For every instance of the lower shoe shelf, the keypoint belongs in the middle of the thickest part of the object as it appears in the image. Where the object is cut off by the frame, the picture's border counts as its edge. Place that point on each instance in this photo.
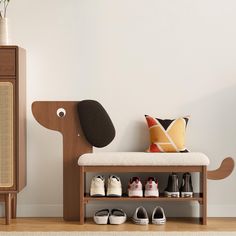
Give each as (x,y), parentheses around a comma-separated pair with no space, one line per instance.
(200,197)
(196,197)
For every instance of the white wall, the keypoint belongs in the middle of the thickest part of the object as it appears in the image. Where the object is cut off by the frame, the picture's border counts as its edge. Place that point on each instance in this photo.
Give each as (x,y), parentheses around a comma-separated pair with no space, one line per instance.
(163,58)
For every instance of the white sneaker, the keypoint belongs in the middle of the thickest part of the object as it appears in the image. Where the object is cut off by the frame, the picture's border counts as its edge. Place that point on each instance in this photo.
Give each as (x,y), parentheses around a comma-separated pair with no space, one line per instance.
(117,217)
(135,188)
(140,216)
(101,217)
(114,188)
(158,216)
(97,187)
(151,188)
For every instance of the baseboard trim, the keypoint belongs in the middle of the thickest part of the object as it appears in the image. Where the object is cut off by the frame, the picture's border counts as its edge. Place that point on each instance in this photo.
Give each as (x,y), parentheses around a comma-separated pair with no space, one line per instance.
(38,210)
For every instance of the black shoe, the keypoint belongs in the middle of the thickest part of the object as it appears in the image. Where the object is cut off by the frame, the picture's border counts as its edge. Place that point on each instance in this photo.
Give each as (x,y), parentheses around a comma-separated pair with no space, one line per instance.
(186,188)
(172,189)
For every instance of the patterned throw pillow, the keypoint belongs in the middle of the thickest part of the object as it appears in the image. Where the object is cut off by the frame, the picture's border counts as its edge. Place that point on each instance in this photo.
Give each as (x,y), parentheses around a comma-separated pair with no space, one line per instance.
(167,135)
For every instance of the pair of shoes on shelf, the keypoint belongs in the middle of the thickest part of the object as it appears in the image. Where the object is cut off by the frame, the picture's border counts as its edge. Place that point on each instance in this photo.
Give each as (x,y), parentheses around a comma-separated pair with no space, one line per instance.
(135,188)
(97,187)
(115,217)
(140,216)
(173,190)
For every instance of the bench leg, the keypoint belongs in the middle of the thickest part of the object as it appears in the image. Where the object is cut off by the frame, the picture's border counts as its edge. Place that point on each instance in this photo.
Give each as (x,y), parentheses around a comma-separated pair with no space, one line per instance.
(203,188)
(82,186)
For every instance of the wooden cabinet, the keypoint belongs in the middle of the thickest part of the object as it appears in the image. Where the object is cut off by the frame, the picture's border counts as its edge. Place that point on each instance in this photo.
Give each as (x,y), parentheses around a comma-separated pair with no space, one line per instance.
(12,126)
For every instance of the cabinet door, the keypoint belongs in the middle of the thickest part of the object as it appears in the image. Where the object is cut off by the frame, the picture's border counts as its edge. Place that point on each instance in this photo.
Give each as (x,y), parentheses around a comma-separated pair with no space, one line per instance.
(7,141)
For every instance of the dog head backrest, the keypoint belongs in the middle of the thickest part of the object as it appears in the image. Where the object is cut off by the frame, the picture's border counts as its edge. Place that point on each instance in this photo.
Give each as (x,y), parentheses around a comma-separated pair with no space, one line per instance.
(85,118)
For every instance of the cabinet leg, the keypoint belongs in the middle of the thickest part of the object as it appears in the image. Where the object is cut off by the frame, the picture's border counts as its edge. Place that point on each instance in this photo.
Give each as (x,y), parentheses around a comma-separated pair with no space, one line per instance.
(14,206)
(8,207)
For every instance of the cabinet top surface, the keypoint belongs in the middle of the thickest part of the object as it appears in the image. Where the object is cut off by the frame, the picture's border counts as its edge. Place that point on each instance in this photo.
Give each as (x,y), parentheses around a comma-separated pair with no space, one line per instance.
(9,46)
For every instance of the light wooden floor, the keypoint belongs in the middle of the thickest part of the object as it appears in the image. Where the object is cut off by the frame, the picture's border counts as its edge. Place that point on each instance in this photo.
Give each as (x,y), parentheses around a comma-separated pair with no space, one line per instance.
(58,224)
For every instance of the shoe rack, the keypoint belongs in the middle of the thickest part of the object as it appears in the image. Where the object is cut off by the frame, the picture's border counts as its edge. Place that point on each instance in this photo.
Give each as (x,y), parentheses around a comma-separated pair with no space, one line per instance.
(200,197)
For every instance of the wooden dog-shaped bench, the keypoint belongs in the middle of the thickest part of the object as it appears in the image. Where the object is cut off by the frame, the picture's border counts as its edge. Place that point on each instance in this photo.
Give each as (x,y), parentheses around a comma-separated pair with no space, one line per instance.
(63,116)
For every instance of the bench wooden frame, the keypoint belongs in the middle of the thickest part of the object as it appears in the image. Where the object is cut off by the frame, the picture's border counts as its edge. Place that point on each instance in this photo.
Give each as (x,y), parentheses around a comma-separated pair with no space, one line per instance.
(200,197)
(75,145)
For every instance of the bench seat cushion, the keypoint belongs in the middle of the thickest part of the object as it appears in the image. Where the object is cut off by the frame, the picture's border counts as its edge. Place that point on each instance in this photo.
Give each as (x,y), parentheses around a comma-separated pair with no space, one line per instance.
(143,159)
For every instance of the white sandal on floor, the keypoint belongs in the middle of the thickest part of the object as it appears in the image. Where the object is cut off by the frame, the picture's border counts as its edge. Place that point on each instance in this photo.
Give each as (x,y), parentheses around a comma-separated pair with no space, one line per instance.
(101,217)
(117,217)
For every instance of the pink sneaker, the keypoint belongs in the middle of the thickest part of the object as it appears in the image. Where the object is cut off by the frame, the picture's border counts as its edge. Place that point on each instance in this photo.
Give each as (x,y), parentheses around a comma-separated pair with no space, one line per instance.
(151,188)
(135,188)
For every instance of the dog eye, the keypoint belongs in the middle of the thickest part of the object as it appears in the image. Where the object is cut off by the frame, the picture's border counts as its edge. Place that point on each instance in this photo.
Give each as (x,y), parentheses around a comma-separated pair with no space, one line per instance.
(61,112)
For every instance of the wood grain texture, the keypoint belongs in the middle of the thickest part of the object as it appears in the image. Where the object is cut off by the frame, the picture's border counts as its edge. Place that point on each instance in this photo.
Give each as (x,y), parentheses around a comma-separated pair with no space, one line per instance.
(21,117)
(8,208)
(14,206)
(13,70)
(8,61)
(50,115)
(173,224)
(146,169)
(225,169)
(82,194)
(201,197)
(203,187)
(161,198)
(74,145)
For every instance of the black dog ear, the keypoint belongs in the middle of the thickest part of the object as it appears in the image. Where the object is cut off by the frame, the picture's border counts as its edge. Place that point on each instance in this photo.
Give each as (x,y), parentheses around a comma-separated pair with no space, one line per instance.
(95,123)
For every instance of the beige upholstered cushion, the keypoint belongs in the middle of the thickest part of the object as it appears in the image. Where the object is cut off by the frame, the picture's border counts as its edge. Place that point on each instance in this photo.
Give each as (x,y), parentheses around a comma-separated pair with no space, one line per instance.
(143,159)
